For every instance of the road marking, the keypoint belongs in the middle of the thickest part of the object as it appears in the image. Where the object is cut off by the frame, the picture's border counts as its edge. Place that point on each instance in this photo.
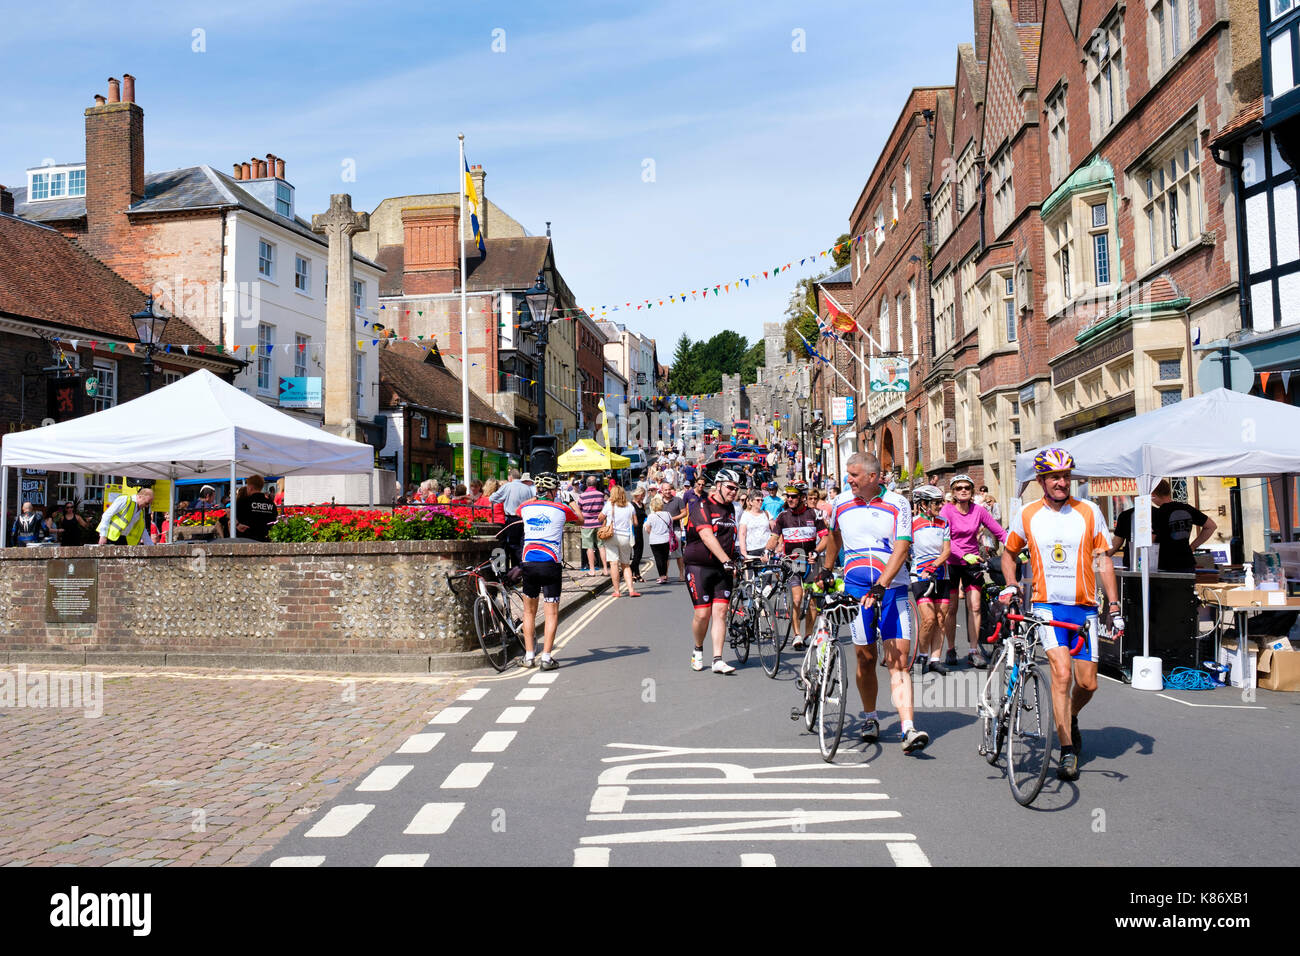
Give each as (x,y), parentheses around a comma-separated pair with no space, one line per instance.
(569,634)
(907,854)
(466,776)
(652,750)
(589,856)
(729,773)
(340,820)
(757,859)
(494,741)
(1188,703)
(546,677)
(773,816)
(403,859)
(515,715)
(450,715)
(612,799)
(532,693)
(420,743)
(708,833)
(308,860)
(474,693)
(385,777)
(433,818)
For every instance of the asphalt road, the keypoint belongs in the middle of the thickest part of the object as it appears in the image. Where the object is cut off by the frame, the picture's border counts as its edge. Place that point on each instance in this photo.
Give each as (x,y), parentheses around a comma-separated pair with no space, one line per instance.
(625,756)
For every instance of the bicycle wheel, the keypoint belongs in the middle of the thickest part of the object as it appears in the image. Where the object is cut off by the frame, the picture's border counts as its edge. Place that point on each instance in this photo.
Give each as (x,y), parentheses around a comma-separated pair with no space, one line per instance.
(830,711)
(769,644)
(783,612)
(991,700)
(493,635)
(1029,735)
(812,689)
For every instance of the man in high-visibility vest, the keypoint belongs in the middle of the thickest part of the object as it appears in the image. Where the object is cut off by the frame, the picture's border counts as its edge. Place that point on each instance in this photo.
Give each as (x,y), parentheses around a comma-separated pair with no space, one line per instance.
(126,520)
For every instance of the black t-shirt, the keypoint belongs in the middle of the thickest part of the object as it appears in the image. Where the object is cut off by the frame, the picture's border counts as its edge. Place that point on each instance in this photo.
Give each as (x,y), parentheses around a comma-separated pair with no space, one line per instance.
(722,519)
(258,512)
(800,532)
(1124,525)
(1172,527)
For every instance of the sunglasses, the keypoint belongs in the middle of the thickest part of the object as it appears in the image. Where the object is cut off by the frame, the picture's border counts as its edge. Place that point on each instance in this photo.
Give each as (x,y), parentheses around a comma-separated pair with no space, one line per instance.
(730,487)
(963,488)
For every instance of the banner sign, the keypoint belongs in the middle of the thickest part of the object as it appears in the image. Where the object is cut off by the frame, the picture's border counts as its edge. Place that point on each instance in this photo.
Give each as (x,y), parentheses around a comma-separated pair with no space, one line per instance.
(889,375)
(841,410)
(300,392)
(1111,487)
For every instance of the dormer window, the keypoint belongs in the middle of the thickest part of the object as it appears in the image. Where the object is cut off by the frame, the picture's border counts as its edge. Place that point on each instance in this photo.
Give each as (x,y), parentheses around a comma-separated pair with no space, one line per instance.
(54,182)
(284,200)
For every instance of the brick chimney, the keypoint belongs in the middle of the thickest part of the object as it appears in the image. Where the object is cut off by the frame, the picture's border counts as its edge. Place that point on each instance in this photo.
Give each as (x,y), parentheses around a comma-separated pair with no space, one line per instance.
(432,261)
(983,18)
(6,202)
(479,179)
(114,169)
(1028,11)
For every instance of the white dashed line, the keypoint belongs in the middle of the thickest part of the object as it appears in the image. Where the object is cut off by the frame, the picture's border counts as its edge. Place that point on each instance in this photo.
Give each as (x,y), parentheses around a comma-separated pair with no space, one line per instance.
(515,715)
(420,743)
(451,715)
(403,859)
(433,818)
(591,856)
(907,854)
(532,693)
(303,860)
(545,677)
(494,741)
(385,778)
(474,693)
(466,776)
(340,820)
(757,859)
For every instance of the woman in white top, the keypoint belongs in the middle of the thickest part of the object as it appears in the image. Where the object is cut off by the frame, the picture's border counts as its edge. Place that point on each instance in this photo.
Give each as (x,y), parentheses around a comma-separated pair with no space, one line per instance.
(621,516)
(755,528)
(658,533)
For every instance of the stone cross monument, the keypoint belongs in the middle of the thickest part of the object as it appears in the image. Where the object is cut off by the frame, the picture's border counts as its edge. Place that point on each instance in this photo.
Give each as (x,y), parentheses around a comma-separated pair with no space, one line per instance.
(338,226)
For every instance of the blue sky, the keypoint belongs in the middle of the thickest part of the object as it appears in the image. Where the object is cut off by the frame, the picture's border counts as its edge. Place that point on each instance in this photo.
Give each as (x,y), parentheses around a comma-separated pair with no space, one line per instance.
(759,151)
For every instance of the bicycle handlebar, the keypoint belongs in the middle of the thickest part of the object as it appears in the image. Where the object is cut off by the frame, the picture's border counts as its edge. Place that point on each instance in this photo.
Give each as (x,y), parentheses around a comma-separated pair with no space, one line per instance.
(1034,620)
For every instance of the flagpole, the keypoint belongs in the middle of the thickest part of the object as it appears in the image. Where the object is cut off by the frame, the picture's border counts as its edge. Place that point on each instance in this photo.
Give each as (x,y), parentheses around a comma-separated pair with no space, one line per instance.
(826,363)
(464,324)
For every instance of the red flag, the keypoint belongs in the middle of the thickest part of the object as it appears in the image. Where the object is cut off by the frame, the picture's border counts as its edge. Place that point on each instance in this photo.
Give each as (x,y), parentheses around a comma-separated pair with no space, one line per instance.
(841,321)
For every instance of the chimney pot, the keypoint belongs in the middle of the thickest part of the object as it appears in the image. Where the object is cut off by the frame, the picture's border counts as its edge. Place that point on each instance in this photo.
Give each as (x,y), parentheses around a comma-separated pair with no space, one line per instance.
(270,164)
(239,171)
(279,168)
(99,99)
(6,201)
(128,88)
(114,90)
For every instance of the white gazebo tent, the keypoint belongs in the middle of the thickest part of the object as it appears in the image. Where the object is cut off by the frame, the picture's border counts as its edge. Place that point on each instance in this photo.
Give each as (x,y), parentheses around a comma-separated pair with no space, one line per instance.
(197,427)
(1219,434)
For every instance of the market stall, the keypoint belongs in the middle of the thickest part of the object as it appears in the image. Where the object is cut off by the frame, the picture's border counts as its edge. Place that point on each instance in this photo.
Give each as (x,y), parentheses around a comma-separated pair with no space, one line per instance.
(1220,434)
(589,455)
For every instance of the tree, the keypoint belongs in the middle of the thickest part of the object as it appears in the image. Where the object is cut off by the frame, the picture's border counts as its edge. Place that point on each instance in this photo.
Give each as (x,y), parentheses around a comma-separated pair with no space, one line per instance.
(845,251)
(682,376)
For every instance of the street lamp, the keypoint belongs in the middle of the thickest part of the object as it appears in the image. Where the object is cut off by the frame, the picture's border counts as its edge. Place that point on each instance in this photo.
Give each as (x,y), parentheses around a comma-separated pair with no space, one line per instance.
(149,327)
(803,408)
(541,301)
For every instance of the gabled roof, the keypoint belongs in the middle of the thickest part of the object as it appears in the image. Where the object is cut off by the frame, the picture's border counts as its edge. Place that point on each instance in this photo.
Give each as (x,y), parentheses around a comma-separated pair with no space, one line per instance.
(844,274)
(508,264)
(46,277)
(974,75)
(408,373)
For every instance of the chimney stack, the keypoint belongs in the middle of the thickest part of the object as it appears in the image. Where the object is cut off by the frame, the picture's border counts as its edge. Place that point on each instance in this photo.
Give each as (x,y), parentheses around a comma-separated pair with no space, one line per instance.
(248,170)
(114,90)
(279,168)
(239,171)
(270,165)
(479,179)
(6,202)
(983,21)
(431,252)
(128,88)
(114,171)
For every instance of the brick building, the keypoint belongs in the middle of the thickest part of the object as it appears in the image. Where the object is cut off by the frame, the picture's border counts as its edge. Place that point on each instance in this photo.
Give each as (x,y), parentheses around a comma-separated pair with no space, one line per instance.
(834,293)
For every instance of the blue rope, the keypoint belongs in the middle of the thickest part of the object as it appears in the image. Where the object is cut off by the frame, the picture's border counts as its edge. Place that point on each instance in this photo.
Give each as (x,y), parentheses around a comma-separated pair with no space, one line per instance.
(1185,678)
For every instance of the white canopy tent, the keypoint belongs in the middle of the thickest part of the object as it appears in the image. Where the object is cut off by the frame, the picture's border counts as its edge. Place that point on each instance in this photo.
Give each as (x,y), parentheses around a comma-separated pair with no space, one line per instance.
(1218,434)
(197,427)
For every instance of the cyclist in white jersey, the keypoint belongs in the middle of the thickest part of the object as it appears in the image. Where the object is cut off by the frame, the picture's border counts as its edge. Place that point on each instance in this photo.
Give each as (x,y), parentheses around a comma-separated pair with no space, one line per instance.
(874,527)
(1064,535)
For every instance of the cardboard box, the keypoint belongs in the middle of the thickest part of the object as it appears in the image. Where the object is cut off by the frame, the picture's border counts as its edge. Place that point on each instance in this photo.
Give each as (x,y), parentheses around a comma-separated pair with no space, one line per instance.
(1232,657)
(1279,670)
(1282,644)
(1230,595)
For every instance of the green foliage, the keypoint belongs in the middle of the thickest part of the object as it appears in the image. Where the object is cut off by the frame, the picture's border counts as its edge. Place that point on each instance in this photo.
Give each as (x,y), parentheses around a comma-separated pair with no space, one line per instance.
(294,528)
(698,367)
(845,252)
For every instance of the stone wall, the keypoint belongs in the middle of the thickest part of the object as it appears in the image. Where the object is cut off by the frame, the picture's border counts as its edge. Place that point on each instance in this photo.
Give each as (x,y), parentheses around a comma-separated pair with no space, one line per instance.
(239,599)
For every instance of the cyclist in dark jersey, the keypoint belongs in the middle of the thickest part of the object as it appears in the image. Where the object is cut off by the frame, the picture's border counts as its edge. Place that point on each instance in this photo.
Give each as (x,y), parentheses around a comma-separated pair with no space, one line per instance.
(800,532)
(709,550)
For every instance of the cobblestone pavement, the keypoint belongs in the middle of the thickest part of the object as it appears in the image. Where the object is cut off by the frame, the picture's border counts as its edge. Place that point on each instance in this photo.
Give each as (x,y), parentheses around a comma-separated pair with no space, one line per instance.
(201,767)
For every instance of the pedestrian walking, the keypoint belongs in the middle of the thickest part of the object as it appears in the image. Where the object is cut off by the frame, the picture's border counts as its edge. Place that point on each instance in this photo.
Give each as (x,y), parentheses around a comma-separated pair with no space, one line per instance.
(638,532)
(590,504)
(619,518)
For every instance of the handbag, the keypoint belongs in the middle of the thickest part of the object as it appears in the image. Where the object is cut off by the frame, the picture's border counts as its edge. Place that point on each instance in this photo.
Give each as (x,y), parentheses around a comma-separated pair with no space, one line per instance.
(605,532)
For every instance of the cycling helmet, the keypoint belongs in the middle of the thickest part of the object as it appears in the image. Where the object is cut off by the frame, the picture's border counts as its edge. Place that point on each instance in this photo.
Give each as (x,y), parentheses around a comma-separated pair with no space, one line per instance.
(927,493)
(1051,460)
(796,488)
(957,479)
(727,474)
(546,481)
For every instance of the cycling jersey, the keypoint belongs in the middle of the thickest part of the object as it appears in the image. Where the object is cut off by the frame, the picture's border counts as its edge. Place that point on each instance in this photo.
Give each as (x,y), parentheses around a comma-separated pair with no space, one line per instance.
(800,531)
(929,535)
(709,513)
(868,531)
(964,529)
(1061,547)
(544,528)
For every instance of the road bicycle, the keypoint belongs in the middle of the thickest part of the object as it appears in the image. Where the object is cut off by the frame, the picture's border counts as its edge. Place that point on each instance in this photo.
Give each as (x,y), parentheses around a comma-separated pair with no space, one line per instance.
(823,675)
(1015,704)
(749,618)
(498,610)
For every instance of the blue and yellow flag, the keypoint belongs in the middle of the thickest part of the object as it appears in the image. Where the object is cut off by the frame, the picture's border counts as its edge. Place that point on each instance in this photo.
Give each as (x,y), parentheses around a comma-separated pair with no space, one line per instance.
(471,199)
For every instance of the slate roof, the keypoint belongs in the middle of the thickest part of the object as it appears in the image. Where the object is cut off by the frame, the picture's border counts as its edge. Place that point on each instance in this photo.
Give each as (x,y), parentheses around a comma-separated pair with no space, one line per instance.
(843,274)
(46,277)
(408,373)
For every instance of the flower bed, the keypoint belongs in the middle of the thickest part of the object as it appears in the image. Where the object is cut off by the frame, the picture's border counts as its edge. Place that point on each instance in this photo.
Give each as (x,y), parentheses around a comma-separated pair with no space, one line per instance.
(413,523)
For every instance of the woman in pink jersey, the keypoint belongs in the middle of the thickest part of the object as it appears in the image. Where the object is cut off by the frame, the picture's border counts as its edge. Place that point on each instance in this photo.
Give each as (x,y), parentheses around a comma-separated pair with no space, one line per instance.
(965,518)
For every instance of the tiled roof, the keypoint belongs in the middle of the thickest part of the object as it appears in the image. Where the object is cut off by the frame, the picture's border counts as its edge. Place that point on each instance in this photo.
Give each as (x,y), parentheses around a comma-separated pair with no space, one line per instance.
(407,374)
(1249,115)
(45,277)
(509,264)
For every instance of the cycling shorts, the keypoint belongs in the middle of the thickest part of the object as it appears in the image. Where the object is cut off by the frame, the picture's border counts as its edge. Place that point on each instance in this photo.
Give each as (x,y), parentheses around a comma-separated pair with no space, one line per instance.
(544,578)
(941,593)
(895,616)
(708,585)
(965,577)
(1082,614)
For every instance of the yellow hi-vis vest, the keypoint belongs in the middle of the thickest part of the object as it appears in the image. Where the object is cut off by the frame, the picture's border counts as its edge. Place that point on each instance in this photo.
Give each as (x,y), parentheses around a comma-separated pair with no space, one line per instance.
(129,521)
